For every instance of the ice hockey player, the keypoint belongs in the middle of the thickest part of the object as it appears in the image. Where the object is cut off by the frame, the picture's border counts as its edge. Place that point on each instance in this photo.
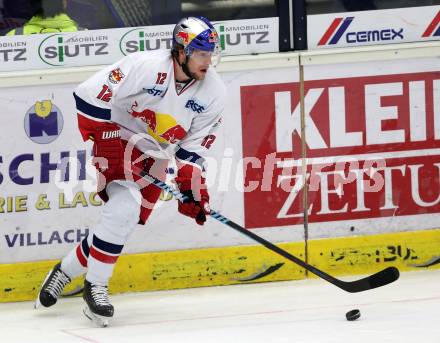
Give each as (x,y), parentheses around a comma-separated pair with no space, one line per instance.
(142,111)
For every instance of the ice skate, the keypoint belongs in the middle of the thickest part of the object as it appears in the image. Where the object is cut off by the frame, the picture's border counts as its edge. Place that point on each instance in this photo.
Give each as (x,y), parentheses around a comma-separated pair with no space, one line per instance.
(52,287)
(98,309)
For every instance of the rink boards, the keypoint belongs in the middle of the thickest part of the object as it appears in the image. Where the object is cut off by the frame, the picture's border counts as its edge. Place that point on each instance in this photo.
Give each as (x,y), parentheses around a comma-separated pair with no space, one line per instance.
(353,133)
(242,264)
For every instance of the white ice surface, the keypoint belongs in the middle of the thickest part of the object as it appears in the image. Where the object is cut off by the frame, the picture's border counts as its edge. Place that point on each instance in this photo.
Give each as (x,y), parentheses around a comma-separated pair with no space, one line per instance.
(310,311)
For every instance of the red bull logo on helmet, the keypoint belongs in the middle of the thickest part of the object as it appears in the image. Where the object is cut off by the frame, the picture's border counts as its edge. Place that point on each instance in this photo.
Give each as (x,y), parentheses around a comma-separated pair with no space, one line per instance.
(213,37)
(184,38)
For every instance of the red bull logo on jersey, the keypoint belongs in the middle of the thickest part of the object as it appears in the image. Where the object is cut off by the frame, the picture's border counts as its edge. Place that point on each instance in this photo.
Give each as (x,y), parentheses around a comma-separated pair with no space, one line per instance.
(173,134)
(147,116)
(116,76)
(162,127)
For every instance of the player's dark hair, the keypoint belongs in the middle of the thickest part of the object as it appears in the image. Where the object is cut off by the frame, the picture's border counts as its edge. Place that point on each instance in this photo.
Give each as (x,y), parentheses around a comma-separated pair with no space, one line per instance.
(175,51)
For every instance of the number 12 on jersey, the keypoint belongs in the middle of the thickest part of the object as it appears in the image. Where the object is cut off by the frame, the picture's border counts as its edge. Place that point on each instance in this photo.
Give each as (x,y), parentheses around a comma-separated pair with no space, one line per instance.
(105,94)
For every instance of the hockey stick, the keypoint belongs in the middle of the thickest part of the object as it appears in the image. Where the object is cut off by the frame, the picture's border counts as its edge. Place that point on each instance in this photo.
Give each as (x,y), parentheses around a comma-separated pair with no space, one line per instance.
(378,279)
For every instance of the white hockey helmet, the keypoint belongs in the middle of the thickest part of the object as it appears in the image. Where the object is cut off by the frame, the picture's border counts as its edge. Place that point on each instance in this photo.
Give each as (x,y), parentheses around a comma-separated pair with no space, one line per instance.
(197,33)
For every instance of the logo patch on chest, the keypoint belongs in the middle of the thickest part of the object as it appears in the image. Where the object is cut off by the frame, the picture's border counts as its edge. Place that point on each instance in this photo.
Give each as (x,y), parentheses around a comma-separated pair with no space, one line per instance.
(155,91)
(195,106)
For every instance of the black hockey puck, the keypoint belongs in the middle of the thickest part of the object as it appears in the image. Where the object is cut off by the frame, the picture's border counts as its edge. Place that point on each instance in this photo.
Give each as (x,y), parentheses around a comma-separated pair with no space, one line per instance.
(353,315)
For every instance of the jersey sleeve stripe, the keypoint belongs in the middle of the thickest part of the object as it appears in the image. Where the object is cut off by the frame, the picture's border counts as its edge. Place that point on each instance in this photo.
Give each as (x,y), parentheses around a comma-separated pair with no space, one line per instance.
(190,157)
(95,120)
(91,110)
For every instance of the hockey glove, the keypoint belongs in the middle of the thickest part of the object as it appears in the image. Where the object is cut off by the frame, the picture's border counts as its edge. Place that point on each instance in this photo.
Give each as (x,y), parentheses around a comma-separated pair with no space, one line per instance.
(196,205)
(108,151)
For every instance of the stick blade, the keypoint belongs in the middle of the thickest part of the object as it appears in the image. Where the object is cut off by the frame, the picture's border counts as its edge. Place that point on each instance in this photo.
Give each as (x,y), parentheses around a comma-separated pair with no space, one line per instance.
(382,278)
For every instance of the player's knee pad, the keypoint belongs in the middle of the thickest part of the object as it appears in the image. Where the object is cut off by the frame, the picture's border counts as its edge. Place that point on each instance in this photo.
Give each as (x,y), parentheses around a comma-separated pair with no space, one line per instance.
(121,213)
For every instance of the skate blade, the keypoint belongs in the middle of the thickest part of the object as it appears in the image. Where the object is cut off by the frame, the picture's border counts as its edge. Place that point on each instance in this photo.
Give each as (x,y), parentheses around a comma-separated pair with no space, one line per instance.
(100,321)
(37,303)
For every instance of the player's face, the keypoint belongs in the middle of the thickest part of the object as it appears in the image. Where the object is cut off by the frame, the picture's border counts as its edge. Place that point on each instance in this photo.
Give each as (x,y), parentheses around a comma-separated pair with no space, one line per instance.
(199,63)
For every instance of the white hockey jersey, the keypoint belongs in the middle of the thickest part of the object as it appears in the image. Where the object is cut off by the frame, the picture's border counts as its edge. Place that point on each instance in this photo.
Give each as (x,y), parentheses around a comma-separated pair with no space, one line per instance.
(140,94)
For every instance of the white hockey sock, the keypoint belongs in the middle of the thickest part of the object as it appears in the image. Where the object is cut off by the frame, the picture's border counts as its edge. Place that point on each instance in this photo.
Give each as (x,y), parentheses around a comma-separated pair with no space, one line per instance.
(119,217)
(75,262)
